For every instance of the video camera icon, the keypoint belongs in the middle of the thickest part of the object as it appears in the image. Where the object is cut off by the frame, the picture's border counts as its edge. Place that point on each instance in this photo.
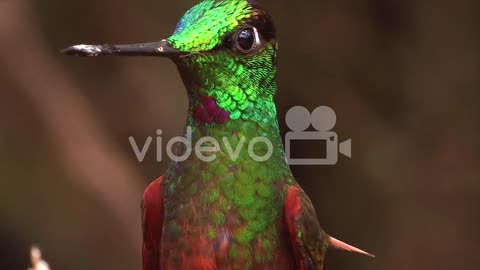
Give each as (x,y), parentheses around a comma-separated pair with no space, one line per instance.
(323,119)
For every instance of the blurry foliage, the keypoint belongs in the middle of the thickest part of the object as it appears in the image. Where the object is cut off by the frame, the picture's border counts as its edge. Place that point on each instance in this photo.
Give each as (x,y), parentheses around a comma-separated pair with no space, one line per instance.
(403,77)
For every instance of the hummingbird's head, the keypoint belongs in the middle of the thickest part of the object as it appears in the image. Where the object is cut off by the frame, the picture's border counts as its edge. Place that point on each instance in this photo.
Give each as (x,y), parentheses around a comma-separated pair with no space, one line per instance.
(228,65)
(225,51)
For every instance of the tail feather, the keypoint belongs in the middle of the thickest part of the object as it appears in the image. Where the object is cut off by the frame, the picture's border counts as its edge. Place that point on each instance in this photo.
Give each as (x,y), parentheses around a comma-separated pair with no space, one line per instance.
(335,243)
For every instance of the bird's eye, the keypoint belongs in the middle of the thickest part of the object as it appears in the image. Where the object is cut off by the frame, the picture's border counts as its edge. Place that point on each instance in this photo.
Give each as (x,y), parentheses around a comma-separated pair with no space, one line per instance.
(247,40)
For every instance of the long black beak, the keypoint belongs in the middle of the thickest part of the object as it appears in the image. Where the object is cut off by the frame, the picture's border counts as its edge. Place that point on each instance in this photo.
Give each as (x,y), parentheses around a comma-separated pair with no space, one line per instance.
(161,48)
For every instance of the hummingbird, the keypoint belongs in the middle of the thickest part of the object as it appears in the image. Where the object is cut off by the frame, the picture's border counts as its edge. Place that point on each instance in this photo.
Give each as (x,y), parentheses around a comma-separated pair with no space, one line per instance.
(223,208)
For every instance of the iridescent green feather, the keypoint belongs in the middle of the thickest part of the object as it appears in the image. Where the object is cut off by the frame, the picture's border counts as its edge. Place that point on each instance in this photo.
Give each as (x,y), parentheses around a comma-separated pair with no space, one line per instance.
(204,26)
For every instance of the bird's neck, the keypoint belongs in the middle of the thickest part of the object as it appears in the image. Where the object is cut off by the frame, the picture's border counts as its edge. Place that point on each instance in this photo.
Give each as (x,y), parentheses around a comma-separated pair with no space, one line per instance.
(240,136)
(235,144)
(235,113)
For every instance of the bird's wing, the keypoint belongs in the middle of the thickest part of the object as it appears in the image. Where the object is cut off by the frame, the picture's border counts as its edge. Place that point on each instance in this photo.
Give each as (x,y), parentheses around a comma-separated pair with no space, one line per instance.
(152,223)
(309,241)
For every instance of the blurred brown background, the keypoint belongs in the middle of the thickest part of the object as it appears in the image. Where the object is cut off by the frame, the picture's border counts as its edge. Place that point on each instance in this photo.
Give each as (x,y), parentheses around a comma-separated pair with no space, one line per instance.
(403,77)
